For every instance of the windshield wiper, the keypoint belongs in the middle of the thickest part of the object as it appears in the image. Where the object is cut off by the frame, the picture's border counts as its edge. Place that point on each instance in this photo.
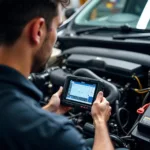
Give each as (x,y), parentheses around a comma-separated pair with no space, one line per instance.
(131,36)
(122,29)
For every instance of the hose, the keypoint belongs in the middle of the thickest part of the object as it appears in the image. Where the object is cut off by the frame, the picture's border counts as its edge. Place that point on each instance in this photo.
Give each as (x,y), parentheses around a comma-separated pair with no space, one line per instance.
(118,117)
(113,93)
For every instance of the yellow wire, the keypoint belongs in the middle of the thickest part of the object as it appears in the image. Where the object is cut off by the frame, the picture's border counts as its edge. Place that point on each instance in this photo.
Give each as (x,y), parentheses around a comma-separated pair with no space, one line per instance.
(142,92)
(137,79)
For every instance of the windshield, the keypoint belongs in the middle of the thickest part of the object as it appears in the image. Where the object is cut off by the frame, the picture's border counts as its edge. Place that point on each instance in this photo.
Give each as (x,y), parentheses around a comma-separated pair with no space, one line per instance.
(134,13)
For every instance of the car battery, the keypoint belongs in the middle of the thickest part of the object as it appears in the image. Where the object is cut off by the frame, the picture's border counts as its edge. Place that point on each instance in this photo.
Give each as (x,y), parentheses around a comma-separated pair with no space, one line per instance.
(142,131)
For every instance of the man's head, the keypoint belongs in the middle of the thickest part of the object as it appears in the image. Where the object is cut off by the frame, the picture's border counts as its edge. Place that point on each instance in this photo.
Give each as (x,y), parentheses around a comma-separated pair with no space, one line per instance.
(34,23)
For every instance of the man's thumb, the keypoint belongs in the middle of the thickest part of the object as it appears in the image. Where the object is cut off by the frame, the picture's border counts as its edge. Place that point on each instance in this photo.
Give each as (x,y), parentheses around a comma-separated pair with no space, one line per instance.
(99,97)
(59,92)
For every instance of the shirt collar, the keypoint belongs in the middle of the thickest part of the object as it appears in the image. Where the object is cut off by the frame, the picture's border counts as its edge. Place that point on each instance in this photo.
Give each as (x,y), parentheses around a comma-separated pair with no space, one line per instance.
(13,77)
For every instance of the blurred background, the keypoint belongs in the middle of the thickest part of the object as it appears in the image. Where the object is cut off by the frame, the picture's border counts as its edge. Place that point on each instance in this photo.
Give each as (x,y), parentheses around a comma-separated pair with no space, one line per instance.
(71,9)
(77,3)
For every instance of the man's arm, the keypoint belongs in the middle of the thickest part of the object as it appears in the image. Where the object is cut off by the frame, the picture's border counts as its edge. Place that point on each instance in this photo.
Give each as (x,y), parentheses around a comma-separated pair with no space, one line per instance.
(100,113)
(102,140)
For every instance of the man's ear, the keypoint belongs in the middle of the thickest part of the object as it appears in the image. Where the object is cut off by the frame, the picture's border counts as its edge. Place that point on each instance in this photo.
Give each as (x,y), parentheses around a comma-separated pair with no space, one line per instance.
(37,30)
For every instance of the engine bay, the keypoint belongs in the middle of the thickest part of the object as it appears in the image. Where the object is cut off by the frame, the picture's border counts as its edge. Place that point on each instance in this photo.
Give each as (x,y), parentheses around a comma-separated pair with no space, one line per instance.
(126,78)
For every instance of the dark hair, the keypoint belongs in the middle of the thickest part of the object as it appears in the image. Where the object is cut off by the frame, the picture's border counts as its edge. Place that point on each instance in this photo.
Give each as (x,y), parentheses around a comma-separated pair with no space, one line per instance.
(15,14)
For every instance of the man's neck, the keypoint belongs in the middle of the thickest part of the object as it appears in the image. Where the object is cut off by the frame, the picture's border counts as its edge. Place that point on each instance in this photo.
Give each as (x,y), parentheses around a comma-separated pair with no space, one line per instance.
(16,59)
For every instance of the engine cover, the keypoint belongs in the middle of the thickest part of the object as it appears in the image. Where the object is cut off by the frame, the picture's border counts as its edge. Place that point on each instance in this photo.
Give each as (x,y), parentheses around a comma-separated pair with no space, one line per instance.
(110,65)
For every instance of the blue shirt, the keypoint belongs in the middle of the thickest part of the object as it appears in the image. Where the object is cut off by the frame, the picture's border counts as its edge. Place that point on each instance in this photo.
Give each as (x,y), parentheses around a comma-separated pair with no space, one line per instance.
(24,125)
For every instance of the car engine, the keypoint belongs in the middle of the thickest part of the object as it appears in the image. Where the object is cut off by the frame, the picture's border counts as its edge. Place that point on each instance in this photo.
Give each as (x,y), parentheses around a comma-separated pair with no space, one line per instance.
(126,78)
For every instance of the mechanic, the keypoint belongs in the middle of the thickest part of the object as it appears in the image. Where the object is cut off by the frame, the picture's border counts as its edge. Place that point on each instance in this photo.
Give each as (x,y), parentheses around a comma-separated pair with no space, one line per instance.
(28,31)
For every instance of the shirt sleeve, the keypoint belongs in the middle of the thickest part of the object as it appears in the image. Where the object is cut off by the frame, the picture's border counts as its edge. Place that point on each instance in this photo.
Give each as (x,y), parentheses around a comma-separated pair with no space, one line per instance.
(54,133)
(68,138)
(26,126)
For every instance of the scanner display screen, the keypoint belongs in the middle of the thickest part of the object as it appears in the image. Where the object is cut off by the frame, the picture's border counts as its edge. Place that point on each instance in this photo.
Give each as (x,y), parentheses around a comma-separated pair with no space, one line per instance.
(81,92)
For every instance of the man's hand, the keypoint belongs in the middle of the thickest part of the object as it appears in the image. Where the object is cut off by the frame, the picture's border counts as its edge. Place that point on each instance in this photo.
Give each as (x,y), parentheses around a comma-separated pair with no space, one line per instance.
(101,110)
(54,103)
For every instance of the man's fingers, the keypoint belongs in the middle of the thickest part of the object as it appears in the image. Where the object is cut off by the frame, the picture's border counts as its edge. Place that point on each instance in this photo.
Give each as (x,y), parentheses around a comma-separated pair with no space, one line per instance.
(99,97)
(110,108)
(66,108)
(60,91)
(63,110)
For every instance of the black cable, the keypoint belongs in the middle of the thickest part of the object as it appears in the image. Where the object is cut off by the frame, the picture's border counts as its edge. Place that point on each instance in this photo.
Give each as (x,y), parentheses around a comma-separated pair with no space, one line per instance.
(123,109)
(118,117)
(118,140)
(145,98)
(126,137)
(134,126)
(73,116)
